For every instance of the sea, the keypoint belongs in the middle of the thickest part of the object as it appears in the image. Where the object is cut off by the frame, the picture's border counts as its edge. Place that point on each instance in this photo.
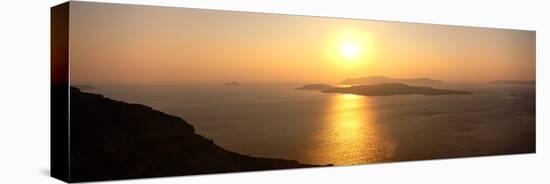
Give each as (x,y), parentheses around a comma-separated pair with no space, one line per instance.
(276,120)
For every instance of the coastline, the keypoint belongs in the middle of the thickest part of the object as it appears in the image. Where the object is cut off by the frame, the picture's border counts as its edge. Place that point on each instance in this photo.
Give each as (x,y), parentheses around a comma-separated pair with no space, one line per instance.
(118,140)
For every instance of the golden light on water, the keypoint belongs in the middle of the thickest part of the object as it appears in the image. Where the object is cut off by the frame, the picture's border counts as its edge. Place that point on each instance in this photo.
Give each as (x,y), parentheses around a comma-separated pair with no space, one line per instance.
(350,134)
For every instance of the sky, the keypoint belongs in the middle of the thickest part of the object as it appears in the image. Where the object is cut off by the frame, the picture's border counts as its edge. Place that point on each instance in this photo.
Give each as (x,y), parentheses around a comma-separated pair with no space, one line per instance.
(113,43)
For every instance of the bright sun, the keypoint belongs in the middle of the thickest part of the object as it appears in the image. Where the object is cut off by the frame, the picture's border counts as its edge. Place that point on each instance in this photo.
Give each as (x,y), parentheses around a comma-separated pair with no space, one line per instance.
(350,50)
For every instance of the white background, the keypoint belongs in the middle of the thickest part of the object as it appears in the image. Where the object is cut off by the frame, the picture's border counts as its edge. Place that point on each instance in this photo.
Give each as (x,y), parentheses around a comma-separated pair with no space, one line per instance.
(24,94)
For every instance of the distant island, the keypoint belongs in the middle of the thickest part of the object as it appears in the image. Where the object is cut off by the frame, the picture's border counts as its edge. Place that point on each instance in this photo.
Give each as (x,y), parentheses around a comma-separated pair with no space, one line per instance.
(232,83)
(314,87)
(383,79)
(117,140)
(514,82)
(388,89)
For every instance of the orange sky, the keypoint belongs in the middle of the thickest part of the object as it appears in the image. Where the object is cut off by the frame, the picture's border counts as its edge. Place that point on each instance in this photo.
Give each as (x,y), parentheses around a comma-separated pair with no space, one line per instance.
(145,44)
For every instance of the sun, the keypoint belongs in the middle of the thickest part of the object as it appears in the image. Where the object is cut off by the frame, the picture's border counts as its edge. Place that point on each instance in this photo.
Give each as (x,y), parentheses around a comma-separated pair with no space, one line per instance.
(350,50)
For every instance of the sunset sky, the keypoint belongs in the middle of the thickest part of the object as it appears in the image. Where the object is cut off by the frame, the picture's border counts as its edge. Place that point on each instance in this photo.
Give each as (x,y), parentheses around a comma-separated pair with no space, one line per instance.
(144,44)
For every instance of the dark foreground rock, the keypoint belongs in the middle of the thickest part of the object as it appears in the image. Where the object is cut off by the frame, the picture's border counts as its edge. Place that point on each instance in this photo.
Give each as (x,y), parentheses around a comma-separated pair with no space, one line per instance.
(116,140)
(314,87)
(84,87)
(393,89)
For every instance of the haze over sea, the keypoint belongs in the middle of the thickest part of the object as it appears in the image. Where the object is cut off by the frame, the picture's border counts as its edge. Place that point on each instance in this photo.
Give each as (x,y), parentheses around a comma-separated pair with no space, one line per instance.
(275,120)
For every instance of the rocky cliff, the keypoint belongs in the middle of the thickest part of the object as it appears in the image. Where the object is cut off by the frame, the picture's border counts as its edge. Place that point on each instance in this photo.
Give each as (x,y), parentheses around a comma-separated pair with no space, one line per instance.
(115,140)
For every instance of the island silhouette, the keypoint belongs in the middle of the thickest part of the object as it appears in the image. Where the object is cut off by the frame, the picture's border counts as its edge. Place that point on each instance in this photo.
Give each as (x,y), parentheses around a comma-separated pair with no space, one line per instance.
(314,87)
(233,83)
(514,82)
(384,86)
(388,89)
(383,79)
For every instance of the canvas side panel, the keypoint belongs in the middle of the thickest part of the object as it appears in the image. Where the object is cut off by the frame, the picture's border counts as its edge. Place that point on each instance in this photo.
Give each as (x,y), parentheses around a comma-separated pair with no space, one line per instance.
(59,124)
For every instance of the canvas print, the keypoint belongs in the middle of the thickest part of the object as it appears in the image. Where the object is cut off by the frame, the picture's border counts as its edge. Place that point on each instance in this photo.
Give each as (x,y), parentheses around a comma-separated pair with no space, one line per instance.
(146,91)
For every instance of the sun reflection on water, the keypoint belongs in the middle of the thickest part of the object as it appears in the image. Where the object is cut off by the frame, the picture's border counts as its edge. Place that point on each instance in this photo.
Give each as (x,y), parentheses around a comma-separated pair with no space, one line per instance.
(350,135)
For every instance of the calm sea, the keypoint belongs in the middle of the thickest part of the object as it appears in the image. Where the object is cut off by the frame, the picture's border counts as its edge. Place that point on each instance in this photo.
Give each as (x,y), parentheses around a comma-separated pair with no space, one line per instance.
(277,121)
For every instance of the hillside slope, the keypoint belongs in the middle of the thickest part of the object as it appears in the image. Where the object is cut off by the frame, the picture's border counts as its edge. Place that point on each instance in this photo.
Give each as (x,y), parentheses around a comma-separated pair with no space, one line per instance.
(115,140)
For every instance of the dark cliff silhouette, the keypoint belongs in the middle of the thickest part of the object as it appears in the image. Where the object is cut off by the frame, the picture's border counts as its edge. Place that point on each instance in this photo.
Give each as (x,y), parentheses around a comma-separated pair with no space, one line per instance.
(383,79)
(393,89)
(115,140)
(84,87)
